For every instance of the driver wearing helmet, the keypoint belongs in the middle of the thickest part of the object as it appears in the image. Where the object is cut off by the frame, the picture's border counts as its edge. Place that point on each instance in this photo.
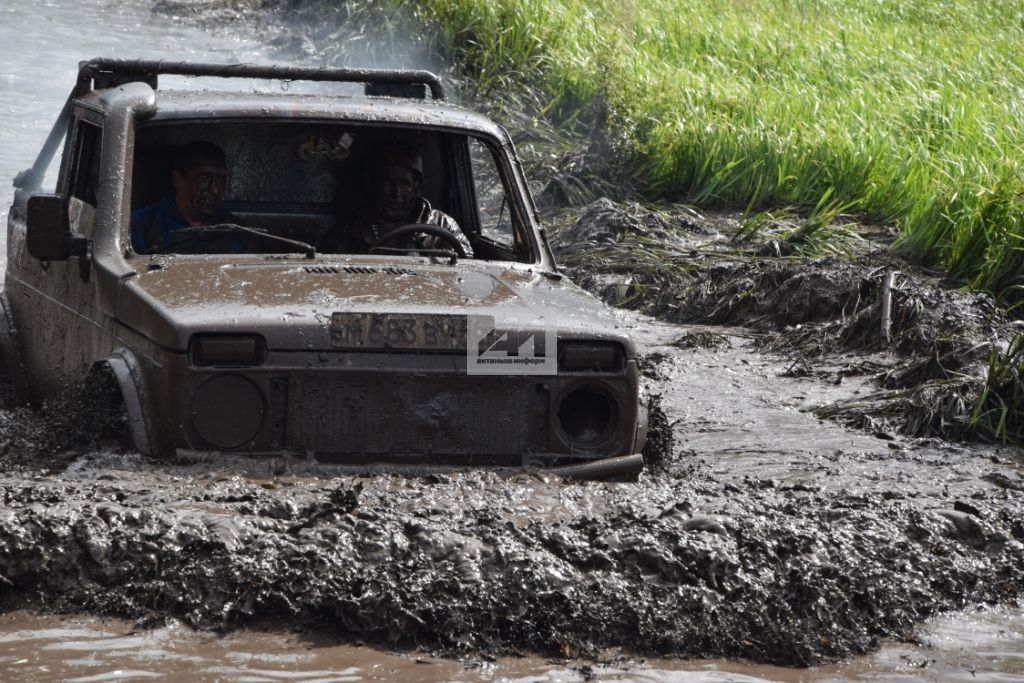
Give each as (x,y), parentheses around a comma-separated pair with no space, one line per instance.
(395,200)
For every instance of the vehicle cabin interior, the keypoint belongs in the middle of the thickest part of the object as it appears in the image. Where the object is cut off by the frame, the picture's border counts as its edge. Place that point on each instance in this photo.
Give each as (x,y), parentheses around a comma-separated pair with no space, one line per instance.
(309,182)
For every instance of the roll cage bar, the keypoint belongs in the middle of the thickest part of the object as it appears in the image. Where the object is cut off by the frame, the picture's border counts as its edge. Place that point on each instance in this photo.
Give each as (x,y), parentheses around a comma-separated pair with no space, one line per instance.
(103,73)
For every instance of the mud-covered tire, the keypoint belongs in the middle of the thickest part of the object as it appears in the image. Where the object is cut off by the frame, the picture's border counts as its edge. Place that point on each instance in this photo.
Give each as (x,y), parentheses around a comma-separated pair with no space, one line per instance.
(104,414)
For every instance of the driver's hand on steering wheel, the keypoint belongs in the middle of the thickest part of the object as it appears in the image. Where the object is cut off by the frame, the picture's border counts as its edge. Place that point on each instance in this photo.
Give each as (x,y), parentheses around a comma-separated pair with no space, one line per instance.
(427,241)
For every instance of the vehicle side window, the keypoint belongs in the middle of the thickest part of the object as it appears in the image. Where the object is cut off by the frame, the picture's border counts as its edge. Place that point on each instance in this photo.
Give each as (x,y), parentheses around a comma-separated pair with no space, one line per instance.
(85,171)
(86,168)
(492,202)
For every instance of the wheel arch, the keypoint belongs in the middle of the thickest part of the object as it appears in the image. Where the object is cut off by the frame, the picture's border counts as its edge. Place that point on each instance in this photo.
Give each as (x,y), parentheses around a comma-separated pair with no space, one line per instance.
(127,371)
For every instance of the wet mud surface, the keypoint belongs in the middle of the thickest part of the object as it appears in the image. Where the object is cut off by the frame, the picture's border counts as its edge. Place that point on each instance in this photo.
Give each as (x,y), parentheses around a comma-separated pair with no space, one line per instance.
(981,644)
(766,534)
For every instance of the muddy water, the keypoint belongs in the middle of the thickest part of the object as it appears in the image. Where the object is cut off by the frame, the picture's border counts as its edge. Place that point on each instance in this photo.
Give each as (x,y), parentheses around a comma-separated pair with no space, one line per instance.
(706,556)
(982,646)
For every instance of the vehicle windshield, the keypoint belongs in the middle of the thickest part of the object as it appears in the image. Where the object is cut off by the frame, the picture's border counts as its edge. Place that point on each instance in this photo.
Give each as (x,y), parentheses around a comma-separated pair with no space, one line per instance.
(272,187)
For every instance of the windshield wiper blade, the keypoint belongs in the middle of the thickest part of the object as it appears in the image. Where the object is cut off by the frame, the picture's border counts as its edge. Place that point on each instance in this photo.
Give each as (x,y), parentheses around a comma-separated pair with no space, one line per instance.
(308,249)
(449,254)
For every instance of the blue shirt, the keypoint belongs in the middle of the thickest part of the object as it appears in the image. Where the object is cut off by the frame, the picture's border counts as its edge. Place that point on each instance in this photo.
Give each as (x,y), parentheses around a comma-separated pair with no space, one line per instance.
(154,230)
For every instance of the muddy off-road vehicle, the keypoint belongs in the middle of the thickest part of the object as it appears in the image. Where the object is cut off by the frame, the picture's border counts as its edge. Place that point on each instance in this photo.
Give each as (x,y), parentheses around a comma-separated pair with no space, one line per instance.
(258,342)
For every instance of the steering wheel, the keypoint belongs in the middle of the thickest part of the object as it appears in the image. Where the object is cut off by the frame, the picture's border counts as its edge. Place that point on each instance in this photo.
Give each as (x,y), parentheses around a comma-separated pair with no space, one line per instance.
(427,229)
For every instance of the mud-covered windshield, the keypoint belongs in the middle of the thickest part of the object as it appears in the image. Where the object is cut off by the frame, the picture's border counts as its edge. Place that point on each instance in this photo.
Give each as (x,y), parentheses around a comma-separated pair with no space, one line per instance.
(335,188)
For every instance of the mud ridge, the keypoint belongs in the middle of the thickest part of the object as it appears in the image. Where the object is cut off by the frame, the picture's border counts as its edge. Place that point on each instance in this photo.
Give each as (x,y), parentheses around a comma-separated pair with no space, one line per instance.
(693,567)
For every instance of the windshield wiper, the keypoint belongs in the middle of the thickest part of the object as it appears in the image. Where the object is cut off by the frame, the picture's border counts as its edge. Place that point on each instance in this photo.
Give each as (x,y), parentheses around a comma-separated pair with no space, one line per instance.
(308,249)
(449,254)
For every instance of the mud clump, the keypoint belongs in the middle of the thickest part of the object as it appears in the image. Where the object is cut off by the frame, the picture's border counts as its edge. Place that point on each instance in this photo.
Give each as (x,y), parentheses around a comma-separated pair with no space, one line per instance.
(660,446)
(607,221)
(701,340)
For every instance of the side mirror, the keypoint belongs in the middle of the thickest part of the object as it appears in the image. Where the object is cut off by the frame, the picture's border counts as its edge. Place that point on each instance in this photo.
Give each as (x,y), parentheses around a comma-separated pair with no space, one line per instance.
(47,230)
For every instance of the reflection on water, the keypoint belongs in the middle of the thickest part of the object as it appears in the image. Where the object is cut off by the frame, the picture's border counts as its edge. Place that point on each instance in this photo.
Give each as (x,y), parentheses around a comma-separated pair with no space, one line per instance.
(986,645)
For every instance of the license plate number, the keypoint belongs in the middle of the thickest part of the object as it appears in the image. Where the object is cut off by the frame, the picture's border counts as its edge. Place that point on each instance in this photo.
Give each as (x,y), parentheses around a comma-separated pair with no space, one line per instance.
(397,331)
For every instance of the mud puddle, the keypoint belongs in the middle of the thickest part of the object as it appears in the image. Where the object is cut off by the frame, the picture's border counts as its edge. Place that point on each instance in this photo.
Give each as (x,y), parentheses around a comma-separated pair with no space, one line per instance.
(982,645)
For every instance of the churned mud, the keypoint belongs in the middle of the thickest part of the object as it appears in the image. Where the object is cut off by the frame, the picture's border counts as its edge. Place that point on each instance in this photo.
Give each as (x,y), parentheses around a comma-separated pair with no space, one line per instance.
(765,533)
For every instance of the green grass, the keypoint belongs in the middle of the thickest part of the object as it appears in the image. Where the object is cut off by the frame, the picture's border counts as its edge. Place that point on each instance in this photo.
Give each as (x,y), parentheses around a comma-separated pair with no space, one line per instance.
(997,411)
(906,111)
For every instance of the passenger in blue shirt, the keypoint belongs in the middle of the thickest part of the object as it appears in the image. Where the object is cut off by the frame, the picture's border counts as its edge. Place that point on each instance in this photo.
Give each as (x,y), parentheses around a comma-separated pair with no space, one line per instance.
(199,176)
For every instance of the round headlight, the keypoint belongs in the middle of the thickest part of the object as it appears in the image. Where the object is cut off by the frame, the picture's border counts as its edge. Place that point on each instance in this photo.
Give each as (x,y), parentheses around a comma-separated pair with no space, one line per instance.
(587,415)
(228,411)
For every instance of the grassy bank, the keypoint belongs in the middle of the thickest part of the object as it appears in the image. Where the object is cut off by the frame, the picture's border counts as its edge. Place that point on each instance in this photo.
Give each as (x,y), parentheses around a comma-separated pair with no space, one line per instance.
(897,111)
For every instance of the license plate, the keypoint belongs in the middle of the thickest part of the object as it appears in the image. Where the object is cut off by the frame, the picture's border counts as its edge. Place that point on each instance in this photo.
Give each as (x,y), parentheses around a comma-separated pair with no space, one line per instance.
(397,331)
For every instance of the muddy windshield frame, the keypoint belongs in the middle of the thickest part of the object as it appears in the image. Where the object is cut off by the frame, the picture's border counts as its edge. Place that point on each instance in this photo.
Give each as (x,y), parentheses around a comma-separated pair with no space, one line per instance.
(318,184)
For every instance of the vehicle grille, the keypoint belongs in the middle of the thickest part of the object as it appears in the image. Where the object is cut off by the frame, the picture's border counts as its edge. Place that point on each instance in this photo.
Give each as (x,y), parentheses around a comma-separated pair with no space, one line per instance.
(415,415)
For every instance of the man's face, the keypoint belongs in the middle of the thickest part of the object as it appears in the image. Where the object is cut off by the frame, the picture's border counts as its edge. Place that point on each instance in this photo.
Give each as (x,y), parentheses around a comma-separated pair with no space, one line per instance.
(394,191)
(199,189)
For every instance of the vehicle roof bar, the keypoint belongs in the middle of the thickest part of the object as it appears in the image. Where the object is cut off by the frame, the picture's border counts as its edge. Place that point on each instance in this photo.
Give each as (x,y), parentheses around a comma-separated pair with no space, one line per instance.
(103,72)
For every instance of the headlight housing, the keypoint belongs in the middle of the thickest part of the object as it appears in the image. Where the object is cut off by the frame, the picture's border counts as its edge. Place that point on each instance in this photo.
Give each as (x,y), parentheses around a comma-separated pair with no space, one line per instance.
(590,356)
(587,415)
(226,350)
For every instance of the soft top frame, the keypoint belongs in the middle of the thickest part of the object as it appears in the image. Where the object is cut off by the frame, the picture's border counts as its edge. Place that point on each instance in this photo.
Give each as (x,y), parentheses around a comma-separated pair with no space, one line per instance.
(102,72)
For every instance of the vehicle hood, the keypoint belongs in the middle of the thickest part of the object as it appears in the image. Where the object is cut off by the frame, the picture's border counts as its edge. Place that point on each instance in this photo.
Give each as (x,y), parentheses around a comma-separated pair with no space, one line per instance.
(292,303)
